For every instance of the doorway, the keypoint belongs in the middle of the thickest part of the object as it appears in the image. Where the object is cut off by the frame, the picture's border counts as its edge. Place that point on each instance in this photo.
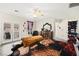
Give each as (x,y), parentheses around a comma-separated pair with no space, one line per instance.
(72,25)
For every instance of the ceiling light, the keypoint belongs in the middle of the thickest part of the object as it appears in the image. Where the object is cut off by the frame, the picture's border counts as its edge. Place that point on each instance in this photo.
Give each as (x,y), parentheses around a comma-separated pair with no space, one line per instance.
(37,12)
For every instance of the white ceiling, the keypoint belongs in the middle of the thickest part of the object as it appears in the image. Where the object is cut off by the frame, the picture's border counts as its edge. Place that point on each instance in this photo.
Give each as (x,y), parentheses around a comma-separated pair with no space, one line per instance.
(26,9)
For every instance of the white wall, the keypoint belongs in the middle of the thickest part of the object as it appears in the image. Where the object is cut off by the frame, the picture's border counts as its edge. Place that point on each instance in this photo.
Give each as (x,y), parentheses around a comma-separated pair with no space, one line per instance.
(74,15)
(59,34)
(0,31)
(61,30)
(66,14)
(53,14)
(41,22)
(0,38)
(13,19)
(6,18)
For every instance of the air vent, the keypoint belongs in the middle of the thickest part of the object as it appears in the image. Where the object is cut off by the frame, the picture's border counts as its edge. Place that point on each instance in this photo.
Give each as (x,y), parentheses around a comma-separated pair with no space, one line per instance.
(73,5)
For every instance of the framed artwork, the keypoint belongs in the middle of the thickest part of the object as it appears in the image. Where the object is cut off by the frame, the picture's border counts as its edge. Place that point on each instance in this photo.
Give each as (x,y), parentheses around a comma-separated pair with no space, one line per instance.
(16,31)
(25,27)
(10,32)
(16,35)
(7,31)
(30,27)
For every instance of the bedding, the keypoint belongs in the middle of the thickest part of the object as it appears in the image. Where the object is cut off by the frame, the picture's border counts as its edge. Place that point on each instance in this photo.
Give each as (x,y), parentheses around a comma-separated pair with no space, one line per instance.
(45,47)
(46,52)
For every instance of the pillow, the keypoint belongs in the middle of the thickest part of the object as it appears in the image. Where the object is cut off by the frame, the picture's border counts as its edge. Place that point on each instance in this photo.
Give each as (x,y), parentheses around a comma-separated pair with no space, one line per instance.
(29,41)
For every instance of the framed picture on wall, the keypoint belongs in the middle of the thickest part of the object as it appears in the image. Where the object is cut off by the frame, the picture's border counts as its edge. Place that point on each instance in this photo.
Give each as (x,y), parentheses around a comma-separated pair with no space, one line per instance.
(7,31)
(7,34)
(10,32)
(16,31)
(16,35)
(30,27)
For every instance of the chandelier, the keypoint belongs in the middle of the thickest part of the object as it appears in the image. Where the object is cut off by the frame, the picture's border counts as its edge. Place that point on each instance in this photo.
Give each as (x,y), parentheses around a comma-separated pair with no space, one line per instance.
(37,12)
